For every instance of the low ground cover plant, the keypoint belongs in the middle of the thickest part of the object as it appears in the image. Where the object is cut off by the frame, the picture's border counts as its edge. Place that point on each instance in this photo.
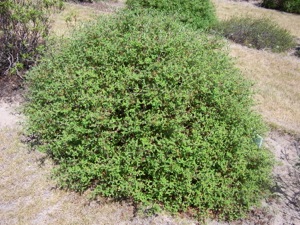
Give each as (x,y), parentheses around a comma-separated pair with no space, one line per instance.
(24,27)
(138,106)
(292,6)
(256,33)
(198,13)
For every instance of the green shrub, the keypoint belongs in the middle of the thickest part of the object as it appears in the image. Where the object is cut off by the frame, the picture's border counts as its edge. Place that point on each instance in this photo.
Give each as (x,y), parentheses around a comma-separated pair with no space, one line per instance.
(256,33)
(139,107)
(273,4)
(24,26)
(198,13)
(292,6)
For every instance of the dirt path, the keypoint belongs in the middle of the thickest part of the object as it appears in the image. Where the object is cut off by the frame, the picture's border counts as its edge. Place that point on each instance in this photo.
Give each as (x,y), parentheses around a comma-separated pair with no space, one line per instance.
(286,203)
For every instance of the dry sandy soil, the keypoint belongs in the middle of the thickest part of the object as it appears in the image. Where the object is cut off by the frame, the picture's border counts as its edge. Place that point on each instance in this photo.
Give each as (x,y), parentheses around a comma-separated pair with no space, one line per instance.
(28,195)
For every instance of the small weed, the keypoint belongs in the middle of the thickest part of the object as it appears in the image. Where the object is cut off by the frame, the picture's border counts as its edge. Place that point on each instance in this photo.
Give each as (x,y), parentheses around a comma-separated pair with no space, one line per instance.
(71,19)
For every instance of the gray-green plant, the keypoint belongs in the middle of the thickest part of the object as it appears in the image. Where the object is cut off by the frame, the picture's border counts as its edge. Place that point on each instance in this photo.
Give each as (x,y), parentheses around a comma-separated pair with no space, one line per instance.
(259,33)
(137,106)
(24,27)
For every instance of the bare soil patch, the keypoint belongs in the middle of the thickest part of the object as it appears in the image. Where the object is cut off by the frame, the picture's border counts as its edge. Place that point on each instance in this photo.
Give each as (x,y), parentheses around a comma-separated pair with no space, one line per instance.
(286,202)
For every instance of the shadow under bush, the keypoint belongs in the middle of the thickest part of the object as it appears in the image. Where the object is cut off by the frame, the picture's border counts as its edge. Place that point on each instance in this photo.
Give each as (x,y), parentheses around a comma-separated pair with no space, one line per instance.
(137,106)
(256,33)
(297,52)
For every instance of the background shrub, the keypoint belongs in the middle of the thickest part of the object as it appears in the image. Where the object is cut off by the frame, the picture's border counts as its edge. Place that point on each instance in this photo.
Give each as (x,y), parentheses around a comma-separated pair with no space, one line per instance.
(89,1)
(24,26)
(198,13)
(256,33)
(297,53)
(292,6)
(139,107)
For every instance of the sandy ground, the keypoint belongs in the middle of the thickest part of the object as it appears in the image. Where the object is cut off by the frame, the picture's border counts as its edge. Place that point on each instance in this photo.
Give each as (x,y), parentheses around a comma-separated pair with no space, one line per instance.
(10,117)
(286,202)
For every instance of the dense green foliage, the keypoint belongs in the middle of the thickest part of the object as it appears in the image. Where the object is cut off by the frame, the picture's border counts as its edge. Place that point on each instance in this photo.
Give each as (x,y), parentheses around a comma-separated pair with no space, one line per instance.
(24,26)
(256,33)
(198,13)
(140,107)
(292,6)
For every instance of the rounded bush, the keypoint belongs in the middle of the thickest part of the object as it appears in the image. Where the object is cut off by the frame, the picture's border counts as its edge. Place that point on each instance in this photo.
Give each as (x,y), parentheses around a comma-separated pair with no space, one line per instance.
(198,13)
(139,107)
(256,33)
